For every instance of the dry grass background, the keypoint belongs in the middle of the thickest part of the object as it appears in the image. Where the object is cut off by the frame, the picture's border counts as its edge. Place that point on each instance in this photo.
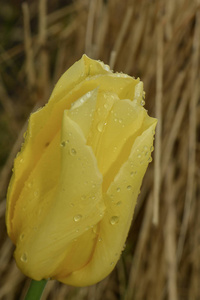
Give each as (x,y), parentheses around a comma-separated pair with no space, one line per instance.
(159,41)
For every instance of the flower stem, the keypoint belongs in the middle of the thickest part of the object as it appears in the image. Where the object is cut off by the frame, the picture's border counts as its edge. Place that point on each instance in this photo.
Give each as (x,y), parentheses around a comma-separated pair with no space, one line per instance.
(35,289)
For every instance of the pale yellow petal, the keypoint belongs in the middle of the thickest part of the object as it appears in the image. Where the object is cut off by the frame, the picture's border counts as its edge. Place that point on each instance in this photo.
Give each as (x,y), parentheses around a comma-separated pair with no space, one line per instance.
(36,190)
(82,111)
(76,205)
(123,125)
(81,69)
(120,201)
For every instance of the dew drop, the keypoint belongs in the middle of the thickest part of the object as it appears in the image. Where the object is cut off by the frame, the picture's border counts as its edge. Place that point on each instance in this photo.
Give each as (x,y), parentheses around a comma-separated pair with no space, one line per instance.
(150,159)
(100,126)
(114,220)
(112,263)
(115,149)
(142,102)
(29,184)
(100,239)
(77,218)
(139,156)
(129,187)
(118,203)
(133,173)
(118,189)
(63,144)
(151,148)
(24,257)
(94,230)
(36,193)
(124,247)
(21,236)
(72,151)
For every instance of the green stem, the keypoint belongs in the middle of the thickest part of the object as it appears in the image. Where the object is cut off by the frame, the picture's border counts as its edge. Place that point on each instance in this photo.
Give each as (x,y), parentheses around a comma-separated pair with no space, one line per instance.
(35,289)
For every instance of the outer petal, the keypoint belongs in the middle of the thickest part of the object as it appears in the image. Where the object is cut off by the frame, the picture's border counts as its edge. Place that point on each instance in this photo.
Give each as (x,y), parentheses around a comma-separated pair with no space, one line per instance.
(120,201)
(123,122)
(74,206)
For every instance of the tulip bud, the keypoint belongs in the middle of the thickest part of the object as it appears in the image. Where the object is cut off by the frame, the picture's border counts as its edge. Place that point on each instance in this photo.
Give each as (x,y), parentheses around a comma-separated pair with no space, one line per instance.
(77,178)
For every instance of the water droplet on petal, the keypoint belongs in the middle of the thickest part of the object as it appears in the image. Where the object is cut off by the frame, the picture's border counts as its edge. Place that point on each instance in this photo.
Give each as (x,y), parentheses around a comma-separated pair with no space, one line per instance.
(151,148)
(124,247)
(72,151)
(62,144)
(100,126)
(114,220)
(139,156)
(29,184)
(129,187)
(118,189)
(24,257)
(36,193)
(22,236)
(142,102)
(118,203)
(77,218)
(100,239)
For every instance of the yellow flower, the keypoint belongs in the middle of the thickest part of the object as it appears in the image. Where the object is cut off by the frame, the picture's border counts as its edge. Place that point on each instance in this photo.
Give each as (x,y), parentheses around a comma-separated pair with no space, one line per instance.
(76,180)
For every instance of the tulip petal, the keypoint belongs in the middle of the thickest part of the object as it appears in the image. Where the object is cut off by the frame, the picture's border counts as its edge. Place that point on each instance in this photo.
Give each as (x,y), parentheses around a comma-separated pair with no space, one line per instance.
(83,68)
(37,190)
(77,205)
(82,111)
(120,201)
(123,125)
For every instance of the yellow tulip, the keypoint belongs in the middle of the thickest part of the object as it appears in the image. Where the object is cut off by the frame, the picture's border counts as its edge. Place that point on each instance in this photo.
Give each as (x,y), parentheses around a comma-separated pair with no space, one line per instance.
(77,178)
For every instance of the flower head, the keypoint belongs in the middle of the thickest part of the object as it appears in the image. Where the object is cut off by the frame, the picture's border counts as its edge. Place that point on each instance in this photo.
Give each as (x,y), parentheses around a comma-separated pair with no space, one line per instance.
(77,178)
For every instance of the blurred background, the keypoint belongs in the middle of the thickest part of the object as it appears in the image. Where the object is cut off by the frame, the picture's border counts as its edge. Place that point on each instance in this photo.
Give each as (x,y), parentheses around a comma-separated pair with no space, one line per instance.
(158,41)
